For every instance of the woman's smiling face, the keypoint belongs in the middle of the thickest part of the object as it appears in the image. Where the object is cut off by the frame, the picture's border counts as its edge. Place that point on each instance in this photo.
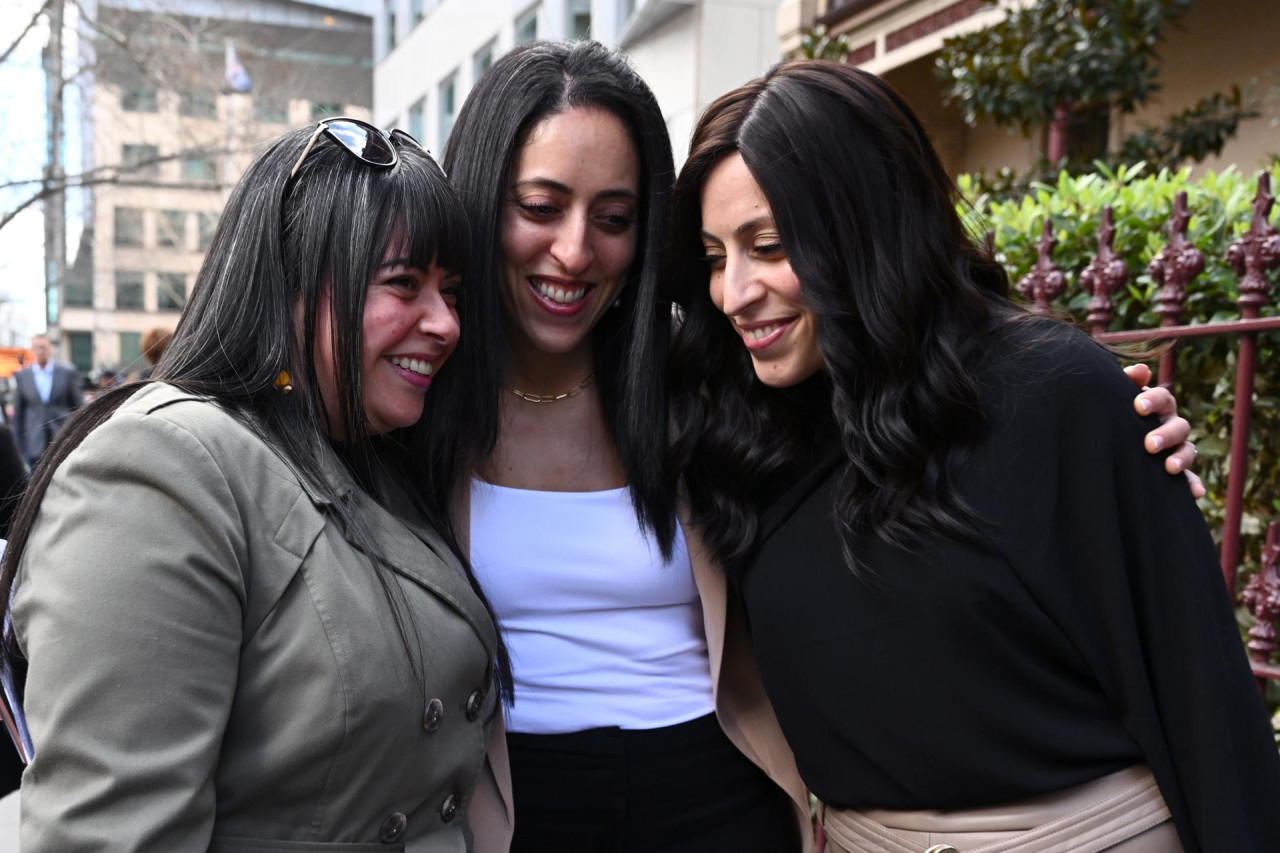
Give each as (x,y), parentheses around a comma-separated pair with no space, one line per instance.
(568,229)
(751,280)
(410,328)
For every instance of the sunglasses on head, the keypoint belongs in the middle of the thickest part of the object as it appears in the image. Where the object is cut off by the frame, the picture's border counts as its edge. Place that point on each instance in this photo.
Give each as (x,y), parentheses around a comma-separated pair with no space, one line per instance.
(364,141)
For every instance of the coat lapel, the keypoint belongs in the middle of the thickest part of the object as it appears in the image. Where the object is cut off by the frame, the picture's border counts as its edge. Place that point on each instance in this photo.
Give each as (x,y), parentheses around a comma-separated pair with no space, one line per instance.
(401,535)
(450,584)
(742,707)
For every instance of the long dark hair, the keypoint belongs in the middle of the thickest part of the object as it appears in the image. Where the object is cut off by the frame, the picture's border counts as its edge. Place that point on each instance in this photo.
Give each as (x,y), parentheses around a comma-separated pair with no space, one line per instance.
(283,242)
(524,87)
(867,218)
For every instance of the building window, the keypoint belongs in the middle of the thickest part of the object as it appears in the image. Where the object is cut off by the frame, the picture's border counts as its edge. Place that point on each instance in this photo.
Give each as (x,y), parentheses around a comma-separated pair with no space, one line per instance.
(527,26)
(128,226)
(171,291)
(418,120)
(129,290)
(579,19)
(389,14)
(139,161)
(199,169)
(130,349)
(482,60)
(77,294)
(417,11)
(206,227)
(448,107)
(139,100)
(271,110)
(324,109)
(171,229)
(198,104)
(81,346)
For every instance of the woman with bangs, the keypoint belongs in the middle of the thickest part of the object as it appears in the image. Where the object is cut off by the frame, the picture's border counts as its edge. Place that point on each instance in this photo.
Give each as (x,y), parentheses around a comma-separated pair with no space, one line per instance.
(986,622)
(246,623)
(638,722)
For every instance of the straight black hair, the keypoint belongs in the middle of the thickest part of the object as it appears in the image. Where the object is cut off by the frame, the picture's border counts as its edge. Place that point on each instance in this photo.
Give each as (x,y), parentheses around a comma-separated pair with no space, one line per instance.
(525,87)
(281,243)
(867,217)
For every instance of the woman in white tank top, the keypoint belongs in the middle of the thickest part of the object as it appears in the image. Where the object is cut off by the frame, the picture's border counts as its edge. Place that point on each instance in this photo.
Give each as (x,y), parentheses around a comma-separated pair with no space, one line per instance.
(551,425)
(558,410)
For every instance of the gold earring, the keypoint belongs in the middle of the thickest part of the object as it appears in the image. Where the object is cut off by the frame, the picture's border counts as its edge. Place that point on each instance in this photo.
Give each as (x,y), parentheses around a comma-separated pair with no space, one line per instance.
(284,382)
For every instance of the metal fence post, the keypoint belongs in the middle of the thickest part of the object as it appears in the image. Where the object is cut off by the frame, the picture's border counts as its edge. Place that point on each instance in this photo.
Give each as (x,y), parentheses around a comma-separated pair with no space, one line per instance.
(1251,256)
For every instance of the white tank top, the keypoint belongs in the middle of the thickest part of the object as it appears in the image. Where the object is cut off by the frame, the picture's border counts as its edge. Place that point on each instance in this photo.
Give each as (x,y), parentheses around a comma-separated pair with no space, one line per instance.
(602,631)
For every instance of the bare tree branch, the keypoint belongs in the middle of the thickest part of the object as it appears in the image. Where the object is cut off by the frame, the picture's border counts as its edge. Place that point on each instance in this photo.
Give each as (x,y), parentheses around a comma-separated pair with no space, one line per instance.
(9,216)
(122,170)
(28,28)
(114,173)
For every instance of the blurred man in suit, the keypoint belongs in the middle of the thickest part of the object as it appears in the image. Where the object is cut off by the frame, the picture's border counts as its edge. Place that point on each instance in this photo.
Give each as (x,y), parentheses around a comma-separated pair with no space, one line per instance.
(43,396)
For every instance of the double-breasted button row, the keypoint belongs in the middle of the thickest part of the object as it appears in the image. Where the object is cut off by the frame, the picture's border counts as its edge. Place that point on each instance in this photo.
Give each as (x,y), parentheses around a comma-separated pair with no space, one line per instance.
(392,829)
(434,714)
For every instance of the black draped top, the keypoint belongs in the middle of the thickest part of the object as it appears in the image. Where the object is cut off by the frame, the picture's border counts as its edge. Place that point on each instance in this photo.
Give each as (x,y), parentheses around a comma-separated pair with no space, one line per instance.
(1094,632)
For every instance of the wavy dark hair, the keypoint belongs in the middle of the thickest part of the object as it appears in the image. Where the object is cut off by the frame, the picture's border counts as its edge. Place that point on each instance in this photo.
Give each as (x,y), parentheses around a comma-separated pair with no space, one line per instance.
(525,87)
(868,221)
(282,242)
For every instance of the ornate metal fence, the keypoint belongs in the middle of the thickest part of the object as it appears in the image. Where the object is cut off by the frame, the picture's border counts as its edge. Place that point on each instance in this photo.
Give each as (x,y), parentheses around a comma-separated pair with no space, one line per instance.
(1177,264)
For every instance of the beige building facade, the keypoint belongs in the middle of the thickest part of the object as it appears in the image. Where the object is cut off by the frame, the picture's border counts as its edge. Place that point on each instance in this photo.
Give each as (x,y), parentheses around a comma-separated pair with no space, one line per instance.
(174,138)
(1221,43)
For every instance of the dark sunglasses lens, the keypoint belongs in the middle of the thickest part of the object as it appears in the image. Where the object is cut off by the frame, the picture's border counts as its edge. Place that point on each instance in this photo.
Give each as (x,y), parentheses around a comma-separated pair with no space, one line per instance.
(367,143)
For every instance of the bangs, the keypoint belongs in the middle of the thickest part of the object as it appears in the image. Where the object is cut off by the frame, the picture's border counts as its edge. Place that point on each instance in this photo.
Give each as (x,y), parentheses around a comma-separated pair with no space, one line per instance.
(425,218)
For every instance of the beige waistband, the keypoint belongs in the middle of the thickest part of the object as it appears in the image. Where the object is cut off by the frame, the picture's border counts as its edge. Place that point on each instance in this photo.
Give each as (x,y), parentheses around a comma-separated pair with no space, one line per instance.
(1097,816)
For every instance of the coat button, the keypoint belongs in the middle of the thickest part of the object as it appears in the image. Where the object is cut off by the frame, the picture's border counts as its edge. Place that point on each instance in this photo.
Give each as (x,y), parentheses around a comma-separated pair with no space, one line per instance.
(435,713)
(449,808)
(474,703)
(392,828)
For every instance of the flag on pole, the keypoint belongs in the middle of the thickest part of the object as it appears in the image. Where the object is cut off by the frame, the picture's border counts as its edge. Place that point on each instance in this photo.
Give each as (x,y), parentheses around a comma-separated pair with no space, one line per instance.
(237,78)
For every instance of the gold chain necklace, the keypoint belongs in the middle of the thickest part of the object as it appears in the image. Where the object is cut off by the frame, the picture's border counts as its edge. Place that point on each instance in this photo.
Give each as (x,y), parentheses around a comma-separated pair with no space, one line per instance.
(552,398)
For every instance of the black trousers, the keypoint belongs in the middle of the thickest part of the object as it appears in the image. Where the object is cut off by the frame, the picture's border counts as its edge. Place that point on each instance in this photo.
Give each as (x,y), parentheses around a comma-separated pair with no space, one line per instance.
(677,789)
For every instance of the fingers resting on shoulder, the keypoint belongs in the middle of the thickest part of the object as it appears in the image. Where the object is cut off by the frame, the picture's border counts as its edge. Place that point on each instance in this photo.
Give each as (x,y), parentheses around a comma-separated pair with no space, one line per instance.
(1173,431)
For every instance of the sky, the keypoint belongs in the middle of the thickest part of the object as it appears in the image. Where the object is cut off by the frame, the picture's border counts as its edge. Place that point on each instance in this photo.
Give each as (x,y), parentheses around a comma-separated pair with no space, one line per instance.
(22,115)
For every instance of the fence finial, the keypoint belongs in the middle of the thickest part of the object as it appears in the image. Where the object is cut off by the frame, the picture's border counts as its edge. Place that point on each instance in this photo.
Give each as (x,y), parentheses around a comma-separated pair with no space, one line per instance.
(1045,282)
(1173,268)
(1105,274)
(1177,263)
(1262,598)
(1256,252)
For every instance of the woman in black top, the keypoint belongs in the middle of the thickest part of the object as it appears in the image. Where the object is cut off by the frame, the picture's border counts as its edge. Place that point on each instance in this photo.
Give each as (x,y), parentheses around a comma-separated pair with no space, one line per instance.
(979,613)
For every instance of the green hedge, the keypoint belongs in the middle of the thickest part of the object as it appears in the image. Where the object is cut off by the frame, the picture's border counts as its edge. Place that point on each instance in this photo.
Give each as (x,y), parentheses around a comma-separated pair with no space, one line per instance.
(1221,208)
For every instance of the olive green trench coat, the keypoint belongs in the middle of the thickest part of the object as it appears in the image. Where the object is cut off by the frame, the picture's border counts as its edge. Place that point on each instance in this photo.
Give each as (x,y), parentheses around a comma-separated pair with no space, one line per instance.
(214,666)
